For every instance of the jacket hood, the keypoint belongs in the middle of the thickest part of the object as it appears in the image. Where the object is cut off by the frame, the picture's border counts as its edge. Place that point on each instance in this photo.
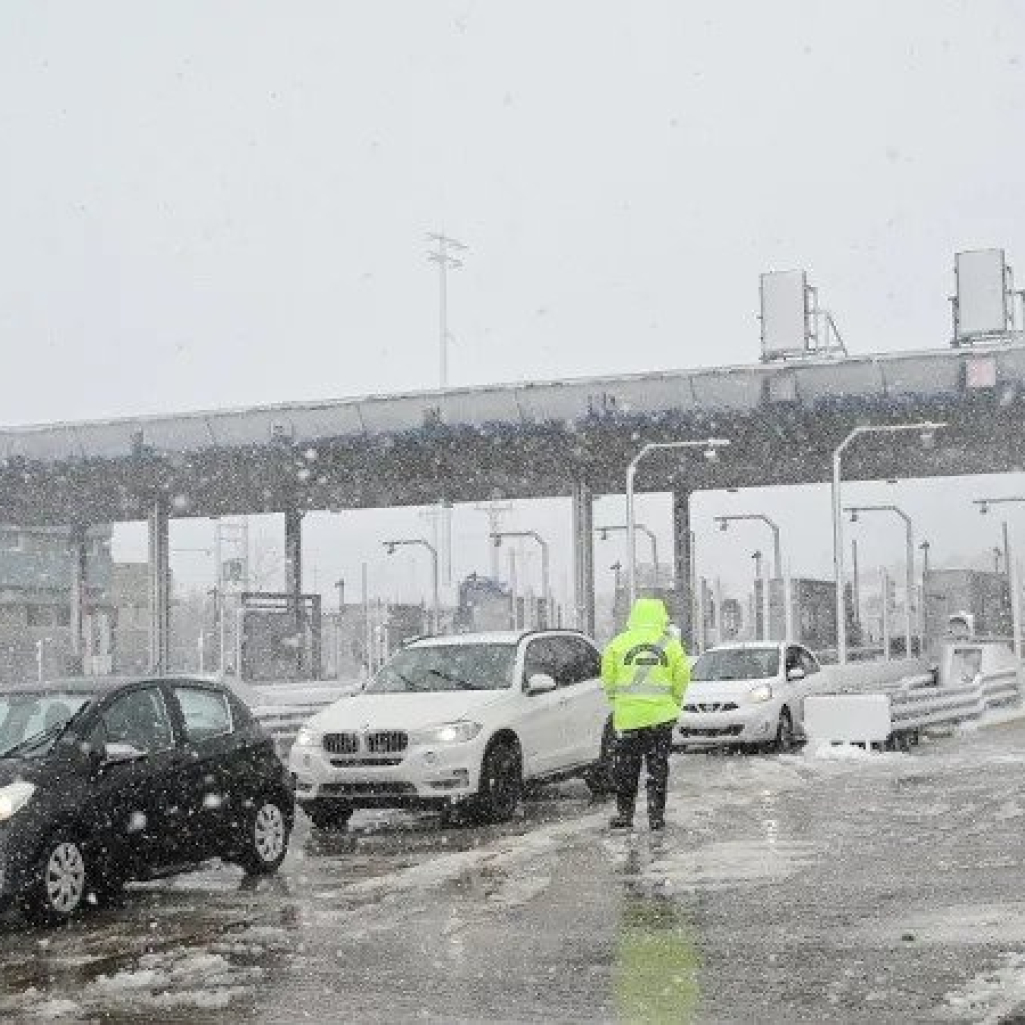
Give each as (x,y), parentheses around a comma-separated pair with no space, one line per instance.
(649,614)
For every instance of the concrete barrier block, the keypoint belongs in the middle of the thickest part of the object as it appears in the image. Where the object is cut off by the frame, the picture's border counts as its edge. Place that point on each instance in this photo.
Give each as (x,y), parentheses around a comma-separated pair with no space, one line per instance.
(847,718)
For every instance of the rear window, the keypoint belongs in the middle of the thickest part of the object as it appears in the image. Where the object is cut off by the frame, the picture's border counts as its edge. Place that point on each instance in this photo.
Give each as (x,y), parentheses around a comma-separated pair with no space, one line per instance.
(207,713)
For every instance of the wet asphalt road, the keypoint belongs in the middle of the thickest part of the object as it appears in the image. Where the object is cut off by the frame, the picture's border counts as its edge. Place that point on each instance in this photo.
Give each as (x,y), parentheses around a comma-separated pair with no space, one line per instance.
(888,888)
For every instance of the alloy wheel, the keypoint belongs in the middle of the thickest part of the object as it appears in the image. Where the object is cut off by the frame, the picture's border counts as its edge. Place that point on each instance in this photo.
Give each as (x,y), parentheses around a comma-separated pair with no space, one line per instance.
(269,833)
(64,878)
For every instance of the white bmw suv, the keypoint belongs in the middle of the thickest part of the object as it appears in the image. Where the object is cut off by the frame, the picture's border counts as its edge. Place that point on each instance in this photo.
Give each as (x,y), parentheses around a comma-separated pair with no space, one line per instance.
(459,722)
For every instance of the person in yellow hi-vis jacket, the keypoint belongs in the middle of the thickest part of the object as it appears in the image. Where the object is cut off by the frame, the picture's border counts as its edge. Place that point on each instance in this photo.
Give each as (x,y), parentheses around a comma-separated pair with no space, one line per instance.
(645,673)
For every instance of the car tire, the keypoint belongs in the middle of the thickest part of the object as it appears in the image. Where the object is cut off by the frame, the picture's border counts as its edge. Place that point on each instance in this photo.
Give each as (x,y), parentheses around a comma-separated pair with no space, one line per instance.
(501,783)
(265,841)
(600,777)
(61,882)
(329,816)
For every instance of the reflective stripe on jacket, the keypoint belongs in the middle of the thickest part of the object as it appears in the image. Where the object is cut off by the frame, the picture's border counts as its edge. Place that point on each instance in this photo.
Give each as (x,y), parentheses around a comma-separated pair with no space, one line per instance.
(644,669)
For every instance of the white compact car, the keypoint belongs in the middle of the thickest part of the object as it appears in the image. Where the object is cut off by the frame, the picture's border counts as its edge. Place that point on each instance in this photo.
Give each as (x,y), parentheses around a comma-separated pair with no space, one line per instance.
(748,695)
(459,722)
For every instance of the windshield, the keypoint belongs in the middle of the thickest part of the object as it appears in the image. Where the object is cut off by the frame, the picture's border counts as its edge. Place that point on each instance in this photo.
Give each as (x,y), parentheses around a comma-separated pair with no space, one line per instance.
(31,722)
(439,667)
(737,664)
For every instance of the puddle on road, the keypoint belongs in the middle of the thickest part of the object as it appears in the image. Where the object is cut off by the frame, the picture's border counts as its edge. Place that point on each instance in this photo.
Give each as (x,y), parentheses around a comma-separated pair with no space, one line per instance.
(714,866)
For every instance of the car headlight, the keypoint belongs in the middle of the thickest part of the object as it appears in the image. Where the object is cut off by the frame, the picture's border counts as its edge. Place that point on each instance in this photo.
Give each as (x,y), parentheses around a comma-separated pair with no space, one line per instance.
(448,733)
(307,737)
(763,692)
(14,797)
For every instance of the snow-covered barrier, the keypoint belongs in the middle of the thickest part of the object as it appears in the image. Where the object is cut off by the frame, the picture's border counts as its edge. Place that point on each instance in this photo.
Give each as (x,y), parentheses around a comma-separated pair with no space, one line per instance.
(899,713)
(848,718)
(868,677)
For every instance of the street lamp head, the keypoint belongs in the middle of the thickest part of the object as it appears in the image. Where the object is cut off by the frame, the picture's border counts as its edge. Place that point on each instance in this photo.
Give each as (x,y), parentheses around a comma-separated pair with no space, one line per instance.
(712,454)
(724,524)
(496,539)
(603,535)
(928,437)
(854,515)
(984,508)
(389,547)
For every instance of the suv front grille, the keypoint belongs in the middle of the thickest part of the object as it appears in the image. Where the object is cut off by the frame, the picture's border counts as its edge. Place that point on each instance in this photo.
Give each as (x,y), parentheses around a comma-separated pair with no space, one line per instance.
(341,743)
(380,742)
(387,742)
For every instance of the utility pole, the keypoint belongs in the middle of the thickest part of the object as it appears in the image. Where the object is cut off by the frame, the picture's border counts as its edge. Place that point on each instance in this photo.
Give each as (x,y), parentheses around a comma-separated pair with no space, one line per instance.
(442,256)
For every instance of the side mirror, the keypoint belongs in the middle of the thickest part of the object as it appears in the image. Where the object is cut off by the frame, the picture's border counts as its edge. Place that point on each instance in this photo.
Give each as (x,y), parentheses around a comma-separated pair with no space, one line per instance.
(540,683)
(120,754)
(797,673)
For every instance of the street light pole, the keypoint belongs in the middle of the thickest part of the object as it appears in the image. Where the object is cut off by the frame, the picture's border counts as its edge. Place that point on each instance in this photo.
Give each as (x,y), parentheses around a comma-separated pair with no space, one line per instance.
(603,531)
(838,553)
(710,445)
(777,557)
(1009,568)
(390,547)
(925,546)
(546,589)
(909,555)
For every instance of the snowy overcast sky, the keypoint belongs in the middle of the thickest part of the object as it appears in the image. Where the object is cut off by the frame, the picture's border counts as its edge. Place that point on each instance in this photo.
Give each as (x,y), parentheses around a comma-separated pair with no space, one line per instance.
(208,204)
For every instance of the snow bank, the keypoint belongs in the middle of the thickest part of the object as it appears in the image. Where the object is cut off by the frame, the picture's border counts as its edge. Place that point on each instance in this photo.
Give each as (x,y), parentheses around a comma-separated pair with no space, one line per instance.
(992,997)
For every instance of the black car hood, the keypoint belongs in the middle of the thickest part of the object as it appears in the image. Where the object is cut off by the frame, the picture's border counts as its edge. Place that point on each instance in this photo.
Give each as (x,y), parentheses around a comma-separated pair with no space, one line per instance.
(32,770)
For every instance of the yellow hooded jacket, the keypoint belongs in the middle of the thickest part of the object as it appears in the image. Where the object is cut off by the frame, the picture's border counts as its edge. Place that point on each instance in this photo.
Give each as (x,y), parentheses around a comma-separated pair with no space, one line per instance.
(644,670)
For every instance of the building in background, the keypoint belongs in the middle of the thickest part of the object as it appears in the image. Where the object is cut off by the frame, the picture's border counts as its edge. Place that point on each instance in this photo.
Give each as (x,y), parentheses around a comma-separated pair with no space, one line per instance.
(36,570)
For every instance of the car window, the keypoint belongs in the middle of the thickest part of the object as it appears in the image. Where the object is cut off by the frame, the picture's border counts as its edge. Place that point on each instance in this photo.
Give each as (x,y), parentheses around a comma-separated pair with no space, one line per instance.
(138,718)
(793,659)
(542,657)
(206,712)
(808,662)
(576,661)
(25,716)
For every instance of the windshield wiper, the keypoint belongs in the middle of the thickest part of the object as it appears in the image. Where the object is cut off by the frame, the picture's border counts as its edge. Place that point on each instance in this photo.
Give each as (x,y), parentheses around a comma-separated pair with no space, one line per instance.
(35,740)
(461,684)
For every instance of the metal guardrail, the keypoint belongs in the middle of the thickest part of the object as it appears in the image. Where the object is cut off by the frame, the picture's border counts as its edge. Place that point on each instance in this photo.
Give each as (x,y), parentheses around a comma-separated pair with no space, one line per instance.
(283,723)
(283,720)
(917,701)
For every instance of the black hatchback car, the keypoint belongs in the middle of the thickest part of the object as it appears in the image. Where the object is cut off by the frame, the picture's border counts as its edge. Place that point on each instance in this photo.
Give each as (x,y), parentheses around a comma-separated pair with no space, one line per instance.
(105,781)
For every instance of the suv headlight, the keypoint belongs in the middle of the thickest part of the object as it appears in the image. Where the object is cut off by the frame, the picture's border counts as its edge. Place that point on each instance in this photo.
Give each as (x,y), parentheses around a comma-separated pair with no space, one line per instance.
(763,692)
(448,733)
(307,737)
(14,797)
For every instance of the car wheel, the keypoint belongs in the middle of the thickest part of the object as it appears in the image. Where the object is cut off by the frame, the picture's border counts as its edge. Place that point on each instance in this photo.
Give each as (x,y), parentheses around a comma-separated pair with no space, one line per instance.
(61,882)
(265,843)
(600,777)
(784,740)
(501,782)
(329,816)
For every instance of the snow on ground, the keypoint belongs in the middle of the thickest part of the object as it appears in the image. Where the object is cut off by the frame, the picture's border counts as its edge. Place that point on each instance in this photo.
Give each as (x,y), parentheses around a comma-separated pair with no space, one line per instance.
(991,997)
(182,978)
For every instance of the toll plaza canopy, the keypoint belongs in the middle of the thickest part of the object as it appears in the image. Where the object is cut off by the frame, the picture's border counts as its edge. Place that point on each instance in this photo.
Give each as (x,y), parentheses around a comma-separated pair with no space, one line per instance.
(527,440)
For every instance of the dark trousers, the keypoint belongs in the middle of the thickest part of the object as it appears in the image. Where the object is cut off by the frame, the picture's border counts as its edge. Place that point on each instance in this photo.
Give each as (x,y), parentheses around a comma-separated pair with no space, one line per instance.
(651,745)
